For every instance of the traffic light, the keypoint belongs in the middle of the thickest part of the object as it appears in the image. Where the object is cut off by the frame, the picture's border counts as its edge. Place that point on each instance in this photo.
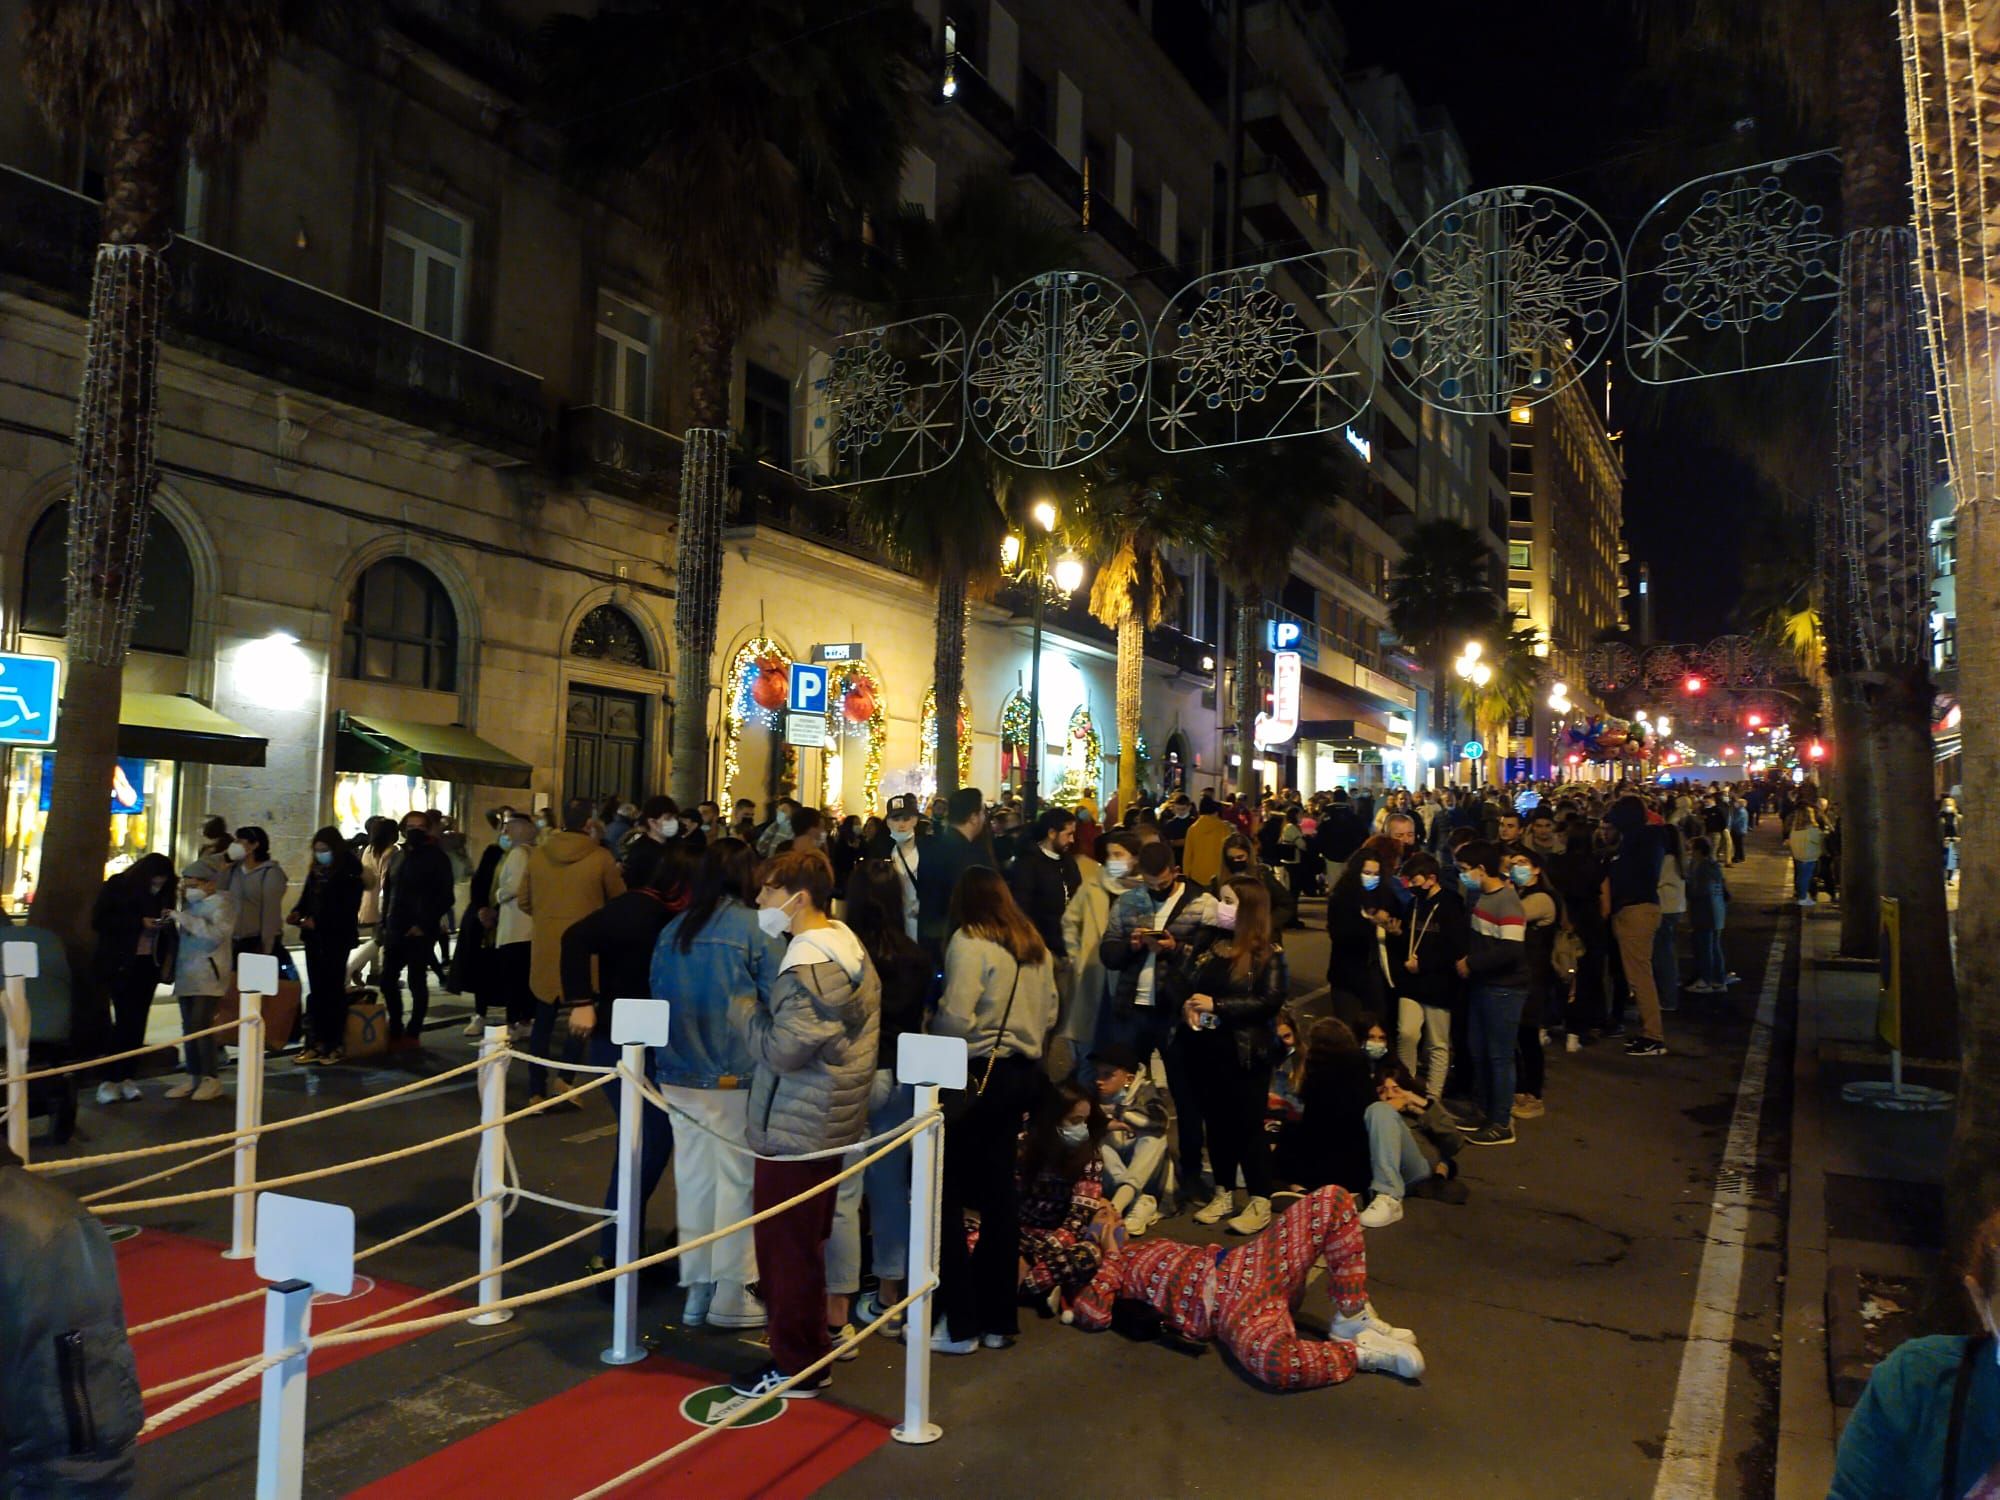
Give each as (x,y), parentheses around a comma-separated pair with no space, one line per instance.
(1755,721)
(1693,685)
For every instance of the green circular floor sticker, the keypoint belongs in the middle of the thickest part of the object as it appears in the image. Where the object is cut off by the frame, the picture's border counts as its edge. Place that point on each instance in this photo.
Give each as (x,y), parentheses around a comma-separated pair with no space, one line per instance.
(710,1405)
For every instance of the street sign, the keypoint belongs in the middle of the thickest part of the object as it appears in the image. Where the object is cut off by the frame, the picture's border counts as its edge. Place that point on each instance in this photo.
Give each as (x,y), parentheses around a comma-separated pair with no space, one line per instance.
(1282,722)
(838,651)
(28,693)
(1473,751)
(808,689)
(1282,635)
(805,731)
(1520,768)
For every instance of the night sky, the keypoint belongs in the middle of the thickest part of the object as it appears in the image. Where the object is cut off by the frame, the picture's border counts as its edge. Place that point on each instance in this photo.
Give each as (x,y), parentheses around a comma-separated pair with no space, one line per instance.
(1564,93)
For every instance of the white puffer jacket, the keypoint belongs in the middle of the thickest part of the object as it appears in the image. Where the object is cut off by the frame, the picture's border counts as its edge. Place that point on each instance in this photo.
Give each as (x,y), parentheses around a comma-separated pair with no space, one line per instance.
(815,1041)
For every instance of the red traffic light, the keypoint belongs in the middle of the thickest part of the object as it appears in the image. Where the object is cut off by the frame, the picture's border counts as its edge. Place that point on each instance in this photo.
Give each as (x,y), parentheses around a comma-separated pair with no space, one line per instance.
(1576,760)
(1755,721)
(1693,685)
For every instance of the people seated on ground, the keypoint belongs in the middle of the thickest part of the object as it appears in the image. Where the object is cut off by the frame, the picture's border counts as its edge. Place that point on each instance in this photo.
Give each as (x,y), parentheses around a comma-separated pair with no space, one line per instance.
(1282,1106)
(1061,1176)
(1410,1149)
(1244,1299)
(1236,981)
(1134,1149)
(1329,1143)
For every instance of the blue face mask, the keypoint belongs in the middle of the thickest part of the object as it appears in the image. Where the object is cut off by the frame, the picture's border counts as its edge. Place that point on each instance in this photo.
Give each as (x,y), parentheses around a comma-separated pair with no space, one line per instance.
(323,856)
(1522,875)
(1369,882)
(506,842)
(1469,880)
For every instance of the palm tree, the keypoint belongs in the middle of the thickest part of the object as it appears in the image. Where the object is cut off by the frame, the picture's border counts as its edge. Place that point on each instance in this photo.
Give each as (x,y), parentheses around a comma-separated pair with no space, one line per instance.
(148,85)
(1440,596)
(1516,675)
(947,525)
(756,128)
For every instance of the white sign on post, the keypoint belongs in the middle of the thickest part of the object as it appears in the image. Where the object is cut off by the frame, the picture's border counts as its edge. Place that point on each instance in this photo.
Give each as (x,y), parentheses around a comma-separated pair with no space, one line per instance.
(299,1239)
(936,1060)
(805,731)
(257,973)
(640,1021)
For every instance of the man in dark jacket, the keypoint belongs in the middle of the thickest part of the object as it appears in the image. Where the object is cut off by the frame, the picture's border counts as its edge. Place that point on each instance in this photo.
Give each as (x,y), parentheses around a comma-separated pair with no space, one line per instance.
(69,1390)
(1631,900)
(949,855)
(1045,876)
(1340,834)
(1425,962)
(420,892)
(1495,967)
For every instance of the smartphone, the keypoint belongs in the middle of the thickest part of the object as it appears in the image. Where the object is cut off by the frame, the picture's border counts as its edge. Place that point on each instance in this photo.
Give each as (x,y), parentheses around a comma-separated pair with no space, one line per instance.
(1207,1021)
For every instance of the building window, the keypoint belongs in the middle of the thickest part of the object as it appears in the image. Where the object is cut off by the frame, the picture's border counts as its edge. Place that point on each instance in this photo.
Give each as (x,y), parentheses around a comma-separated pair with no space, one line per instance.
(164,619)
(767,415)
(424,258)
(400,627)
(626,333)
(607,633)
(1517,601)
(1944,548)
(1034,106)
(1520,554)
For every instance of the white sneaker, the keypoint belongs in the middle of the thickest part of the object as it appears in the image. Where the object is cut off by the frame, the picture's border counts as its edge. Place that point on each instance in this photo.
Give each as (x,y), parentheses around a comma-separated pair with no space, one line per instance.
(1143,1216)
(1383,1212)
(1572,1043)
(181,1090)
(1218,1208)
(1387,1356)
(1350,1328)
(734,1306)
(205,1091)
(474,1029)
(128,1091)
(943,1343)
(694,1307)
(107,1093)
(1256,1216)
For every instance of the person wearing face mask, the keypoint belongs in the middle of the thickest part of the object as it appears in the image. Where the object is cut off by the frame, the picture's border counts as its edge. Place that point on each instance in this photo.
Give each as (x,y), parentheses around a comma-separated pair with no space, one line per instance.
(1543,909)
(1359,916)
(1239,858)
(1426,971)
(203,966)
(1496,968)
(1237,982)
(774,836)
(1928,1424)
(655,826)
(413,908)
(328,917)
(258,884)
(903,843)
(1061,1185)
(1084,920)
(126,919)
(814,1037)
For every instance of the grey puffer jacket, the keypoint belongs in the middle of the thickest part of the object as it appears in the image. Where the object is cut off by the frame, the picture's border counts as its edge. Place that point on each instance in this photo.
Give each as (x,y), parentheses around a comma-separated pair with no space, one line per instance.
(814,1041)
(69,1391)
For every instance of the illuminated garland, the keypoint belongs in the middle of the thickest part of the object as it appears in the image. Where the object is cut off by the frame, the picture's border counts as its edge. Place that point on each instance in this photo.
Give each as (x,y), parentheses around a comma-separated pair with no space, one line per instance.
(1080,783)
(927,739)
(750,662)
(841,682)
(1016,730)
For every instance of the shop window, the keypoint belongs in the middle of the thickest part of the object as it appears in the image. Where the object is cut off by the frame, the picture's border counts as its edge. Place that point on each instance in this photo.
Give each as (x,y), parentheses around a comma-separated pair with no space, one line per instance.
(165,616)
(400,627)
(607,633)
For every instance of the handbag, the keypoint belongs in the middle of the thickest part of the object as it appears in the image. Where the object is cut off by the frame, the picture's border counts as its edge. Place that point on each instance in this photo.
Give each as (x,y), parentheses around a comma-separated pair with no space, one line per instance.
(961,1102)
(1566,955)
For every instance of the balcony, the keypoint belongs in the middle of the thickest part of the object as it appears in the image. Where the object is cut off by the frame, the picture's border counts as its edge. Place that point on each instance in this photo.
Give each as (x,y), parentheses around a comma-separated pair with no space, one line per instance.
(975,94)
(258,320)
(620,456)
(1278,214)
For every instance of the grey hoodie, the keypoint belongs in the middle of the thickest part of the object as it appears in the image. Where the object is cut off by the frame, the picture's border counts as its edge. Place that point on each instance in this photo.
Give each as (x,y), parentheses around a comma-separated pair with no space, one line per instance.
(814,1041)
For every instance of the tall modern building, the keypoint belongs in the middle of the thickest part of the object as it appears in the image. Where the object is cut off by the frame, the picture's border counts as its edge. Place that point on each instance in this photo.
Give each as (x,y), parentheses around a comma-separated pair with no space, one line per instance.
(1565,548)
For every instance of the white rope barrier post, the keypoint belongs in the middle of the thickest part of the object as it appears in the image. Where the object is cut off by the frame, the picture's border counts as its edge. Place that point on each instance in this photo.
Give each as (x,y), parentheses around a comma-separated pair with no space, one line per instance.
(256,977)
(930,1063)
(492,1171)
(302,1247)
(635,1026)
(22,961)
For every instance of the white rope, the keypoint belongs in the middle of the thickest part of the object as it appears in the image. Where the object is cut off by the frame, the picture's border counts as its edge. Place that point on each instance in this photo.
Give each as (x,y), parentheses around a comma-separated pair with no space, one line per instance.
(659,1101)
(99,1062)
(558,1067)
(576,1208)
(160,1176)
(255,1366)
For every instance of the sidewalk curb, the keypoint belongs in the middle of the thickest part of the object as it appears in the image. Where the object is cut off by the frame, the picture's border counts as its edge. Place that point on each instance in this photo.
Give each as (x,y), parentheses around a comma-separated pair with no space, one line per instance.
(1806,1423)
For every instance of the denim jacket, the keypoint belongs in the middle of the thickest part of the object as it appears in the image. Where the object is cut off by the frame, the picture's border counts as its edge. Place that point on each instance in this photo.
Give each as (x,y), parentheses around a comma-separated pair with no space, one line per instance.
(731,962)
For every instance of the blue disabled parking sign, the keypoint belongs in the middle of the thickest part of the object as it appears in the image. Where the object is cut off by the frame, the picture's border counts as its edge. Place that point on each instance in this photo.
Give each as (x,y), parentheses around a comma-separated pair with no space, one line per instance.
(808,689)
(28,691)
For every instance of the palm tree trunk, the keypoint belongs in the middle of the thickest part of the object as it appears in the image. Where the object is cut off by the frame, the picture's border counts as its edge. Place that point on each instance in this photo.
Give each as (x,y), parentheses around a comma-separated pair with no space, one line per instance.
(1912,852)
(1854,760)
(1247,694)
(698,561)
(1131,677)
(948,673)
(116,413)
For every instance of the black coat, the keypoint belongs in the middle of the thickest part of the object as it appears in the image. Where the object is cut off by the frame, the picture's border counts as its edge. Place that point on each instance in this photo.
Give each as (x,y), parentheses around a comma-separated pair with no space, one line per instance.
(945,858)
(1339,834)
(1329,1142)
(332,898)
(1246,1010)
(619,936)
(421,886)
(1435,927)
(119,918)
(1042,888)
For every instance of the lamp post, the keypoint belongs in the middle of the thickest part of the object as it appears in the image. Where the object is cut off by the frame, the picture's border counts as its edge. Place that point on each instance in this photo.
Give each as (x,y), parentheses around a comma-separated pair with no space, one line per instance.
(1471,669)
(1028,561)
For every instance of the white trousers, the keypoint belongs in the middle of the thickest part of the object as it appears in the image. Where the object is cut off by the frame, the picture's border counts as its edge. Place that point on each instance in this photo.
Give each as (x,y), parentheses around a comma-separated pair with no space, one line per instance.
(712,1184)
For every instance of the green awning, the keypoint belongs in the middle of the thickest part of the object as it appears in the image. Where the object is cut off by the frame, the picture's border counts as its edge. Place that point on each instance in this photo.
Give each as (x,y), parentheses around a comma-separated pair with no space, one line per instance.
(442,752)
(165,726)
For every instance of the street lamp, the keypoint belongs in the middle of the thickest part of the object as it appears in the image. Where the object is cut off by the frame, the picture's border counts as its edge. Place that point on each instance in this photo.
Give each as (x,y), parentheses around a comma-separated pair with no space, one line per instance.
(1028,562)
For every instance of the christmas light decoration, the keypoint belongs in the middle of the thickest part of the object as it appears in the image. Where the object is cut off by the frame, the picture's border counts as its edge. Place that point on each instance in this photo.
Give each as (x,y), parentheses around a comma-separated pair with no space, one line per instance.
(854,705)
(751,665)
(927,741)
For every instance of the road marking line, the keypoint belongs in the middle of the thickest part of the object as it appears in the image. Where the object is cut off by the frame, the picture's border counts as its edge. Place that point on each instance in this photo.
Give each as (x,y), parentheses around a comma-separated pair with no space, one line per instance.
(1693,1450)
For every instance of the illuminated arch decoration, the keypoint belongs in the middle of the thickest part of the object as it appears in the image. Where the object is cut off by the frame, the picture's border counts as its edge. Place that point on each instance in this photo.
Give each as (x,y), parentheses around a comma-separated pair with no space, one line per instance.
(1284,349)
(1017,739)
(1504,296)
(927,740)
(883,403)
(1735,272)
(1084,763)
(1058,369)
(853,708)
(758,664)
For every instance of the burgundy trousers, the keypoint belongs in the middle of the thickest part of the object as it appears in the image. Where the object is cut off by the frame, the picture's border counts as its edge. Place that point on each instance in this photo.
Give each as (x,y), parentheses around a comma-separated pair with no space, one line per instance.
(791,1258)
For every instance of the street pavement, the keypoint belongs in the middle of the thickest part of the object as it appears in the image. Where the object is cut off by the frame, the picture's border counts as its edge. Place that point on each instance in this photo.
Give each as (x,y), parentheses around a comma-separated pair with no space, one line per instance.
(1553,1309)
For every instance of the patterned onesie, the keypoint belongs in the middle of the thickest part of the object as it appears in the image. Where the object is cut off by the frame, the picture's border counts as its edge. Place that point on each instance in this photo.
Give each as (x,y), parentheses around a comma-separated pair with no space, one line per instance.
(1244,1297)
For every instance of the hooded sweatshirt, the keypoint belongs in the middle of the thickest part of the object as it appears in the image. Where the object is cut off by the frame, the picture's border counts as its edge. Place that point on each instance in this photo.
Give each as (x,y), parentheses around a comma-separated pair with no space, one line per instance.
(569,876)
(814,1041)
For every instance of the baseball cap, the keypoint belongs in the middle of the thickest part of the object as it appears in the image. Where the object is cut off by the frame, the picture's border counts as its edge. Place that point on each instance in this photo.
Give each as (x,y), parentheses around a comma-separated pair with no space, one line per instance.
(903,805)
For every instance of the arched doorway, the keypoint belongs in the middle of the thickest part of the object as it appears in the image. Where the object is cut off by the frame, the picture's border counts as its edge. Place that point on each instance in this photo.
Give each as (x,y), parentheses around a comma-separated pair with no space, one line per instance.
(605,727)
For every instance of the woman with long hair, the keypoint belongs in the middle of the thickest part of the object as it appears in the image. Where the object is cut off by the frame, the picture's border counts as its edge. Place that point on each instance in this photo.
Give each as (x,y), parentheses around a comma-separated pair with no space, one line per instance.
(1062,1195)
(1237,982)
(711,959)
(328,917)
(1000,996)
(129,950)
(1359,912)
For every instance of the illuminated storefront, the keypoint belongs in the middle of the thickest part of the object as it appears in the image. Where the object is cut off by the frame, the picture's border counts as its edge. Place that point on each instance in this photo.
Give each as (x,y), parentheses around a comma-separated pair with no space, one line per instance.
(390,767)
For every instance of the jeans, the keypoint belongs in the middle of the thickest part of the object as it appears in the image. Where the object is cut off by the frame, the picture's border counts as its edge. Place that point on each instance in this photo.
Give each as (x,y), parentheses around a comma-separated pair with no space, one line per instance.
(886,1184)
(1667,961)
(1153,1027)
(841,1266)
(1409,1027)
(1634,927)
(1709,967)
(1395,1157)
(1437,1049)
(540,1039)
(712,1184)
(656,1149)
(1232,1103)
(1494,1018)
(398,954)
(1137,1165)
(198,1014)
(1804,869)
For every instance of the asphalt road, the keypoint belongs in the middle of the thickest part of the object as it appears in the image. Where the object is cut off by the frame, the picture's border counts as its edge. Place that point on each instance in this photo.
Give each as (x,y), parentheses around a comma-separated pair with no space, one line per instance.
(1553,1309)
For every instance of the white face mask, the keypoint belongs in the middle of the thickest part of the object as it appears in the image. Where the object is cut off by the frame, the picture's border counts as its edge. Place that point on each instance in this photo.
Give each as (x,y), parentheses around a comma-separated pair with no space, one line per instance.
(776,920)
(1376,1049)
(902,835)
(668,827)
(1118,869)
(1076,1134)
(236,853)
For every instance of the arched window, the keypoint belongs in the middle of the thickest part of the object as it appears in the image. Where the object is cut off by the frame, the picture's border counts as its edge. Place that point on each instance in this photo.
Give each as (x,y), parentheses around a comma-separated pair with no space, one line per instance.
(165,617)
(400,627)
(607,633)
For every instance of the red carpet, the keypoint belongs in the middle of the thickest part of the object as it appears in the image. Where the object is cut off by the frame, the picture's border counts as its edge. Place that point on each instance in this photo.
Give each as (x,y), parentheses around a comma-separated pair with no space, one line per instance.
(601,1428)
(161,1274)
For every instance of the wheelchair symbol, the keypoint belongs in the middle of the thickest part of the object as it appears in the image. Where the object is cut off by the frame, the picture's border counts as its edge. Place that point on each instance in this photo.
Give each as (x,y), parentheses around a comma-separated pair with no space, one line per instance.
(15,708)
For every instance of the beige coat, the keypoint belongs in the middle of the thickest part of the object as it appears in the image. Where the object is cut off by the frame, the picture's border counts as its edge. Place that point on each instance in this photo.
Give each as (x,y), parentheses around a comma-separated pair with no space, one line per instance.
(569,876)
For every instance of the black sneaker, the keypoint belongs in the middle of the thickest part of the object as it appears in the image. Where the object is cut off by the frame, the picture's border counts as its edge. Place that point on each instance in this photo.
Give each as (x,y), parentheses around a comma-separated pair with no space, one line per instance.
(764,1383)
(1470,1127)
(1492,1135)
(1645,1046)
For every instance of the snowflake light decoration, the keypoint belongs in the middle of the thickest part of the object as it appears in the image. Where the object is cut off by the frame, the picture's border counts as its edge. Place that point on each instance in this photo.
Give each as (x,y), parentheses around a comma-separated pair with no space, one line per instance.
(1057,369)
(1736,272)
(1504,296)
(1283,349)
(883,403)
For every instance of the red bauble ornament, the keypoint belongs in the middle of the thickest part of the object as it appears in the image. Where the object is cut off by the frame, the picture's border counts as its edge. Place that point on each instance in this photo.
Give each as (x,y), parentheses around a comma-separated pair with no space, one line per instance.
(860,704)
(768,690)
